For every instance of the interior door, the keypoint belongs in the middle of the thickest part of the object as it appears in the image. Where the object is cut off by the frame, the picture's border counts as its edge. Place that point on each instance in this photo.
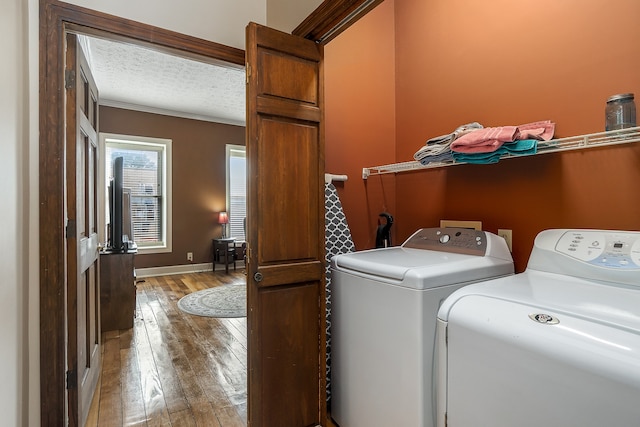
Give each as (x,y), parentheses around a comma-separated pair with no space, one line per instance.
(83,316)
(285,198)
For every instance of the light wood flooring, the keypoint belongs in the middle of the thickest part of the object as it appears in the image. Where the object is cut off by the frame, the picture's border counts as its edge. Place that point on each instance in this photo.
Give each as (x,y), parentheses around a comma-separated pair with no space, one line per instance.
(173,368)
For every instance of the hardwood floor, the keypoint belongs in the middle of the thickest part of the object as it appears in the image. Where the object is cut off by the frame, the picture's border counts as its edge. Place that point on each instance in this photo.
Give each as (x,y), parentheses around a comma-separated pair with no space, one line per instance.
(173,368)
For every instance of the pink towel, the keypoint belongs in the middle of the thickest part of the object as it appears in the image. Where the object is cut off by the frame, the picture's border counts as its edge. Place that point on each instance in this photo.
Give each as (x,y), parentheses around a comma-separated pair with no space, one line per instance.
(542,131)
(488,140)
(485,140)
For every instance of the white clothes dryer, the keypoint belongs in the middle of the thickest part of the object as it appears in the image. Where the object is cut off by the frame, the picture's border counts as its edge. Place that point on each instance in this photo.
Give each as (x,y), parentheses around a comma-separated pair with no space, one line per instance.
(384,306)
(556,345)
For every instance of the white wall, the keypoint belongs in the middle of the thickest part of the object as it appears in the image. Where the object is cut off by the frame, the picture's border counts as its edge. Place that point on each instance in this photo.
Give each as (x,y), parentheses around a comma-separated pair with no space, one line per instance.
(221,21)
(286,15)
(13,185)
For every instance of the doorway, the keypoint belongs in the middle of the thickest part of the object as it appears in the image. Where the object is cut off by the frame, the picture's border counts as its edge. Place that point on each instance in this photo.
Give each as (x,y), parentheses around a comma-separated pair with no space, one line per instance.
(58,19)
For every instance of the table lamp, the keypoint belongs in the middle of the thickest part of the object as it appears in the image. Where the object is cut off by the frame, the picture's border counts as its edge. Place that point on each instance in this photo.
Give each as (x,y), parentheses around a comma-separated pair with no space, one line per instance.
(223,219)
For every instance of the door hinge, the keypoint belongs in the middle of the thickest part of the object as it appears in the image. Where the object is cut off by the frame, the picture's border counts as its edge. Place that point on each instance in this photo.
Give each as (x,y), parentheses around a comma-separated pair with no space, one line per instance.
(72,379)
(69,79)
(248,71)
(70,229)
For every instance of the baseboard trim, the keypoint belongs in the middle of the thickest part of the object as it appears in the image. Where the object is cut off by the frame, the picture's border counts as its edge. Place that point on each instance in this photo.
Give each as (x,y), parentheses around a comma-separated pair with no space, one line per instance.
(178,269)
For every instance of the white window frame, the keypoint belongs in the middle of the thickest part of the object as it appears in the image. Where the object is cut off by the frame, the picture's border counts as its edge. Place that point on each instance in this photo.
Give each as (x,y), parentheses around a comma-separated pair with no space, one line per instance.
(228,150)
(167,191)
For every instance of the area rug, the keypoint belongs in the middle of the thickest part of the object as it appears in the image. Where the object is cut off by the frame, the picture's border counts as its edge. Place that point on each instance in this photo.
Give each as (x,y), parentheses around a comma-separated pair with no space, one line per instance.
(221,301)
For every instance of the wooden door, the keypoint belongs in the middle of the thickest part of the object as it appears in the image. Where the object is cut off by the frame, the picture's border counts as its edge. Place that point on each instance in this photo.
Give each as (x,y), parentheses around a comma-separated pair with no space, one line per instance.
(285,280)
(83,316)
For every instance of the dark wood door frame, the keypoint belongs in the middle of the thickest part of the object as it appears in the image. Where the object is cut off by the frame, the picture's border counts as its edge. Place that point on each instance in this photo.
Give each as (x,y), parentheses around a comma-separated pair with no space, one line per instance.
(56,18)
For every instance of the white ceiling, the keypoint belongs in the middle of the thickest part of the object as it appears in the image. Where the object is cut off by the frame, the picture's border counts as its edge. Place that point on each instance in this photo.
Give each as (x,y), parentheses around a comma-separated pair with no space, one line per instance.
(143,79)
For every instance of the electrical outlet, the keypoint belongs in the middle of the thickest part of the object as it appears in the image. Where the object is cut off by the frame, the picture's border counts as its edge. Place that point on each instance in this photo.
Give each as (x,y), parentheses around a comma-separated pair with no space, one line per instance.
(189,256)
(507,235)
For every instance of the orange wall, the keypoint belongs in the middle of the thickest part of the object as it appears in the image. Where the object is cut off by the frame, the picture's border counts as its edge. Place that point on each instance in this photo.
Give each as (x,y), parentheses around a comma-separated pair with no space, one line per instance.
(505,63)
(360,119)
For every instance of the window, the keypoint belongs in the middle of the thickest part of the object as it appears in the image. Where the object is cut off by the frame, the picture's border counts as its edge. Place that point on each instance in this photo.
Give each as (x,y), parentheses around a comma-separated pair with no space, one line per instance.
(147,173)
(236,190)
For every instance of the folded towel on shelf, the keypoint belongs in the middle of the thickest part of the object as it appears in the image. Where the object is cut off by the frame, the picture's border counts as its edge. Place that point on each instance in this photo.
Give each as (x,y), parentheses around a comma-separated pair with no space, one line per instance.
(431,150)
(484,140)
(542,131)
(460,130)
(516,148)
(443,157)
(520,147)
(488,140)
(477,158)
(440,144)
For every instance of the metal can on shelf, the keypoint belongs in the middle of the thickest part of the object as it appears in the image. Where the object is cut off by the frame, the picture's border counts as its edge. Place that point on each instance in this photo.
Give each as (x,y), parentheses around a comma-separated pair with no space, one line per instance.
(620,112)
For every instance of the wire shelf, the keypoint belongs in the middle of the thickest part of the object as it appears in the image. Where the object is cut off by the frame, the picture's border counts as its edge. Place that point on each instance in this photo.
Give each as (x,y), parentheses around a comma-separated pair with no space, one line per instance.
(601,139)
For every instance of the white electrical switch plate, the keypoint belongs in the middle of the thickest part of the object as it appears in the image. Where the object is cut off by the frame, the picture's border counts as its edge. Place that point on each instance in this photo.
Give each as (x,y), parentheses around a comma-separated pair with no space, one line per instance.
(507,235)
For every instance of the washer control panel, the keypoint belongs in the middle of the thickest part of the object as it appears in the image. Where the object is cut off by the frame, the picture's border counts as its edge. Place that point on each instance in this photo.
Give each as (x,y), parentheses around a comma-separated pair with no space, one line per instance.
(449,239)
(611,249)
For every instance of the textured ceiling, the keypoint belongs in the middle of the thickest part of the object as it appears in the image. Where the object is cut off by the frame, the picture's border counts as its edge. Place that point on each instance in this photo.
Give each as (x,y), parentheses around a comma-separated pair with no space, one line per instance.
(143,79)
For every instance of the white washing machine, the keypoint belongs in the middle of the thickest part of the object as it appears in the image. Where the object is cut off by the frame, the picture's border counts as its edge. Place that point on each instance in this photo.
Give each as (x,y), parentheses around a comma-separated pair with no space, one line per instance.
(384,306)
(557,345)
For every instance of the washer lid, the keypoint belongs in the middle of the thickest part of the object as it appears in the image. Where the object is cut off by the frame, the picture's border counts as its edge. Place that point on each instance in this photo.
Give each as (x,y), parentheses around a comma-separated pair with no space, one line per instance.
(556,294)
(393,262)
(421,269)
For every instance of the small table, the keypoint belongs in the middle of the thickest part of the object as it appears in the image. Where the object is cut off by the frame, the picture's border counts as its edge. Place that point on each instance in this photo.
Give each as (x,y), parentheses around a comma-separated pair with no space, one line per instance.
(224,252)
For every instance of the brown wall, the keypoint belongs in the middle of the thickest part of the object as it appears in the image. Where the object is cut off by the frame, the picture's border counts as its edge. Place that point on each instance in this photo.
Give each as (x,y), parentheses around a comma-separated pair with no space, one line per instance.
(498,63)
(199,177)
